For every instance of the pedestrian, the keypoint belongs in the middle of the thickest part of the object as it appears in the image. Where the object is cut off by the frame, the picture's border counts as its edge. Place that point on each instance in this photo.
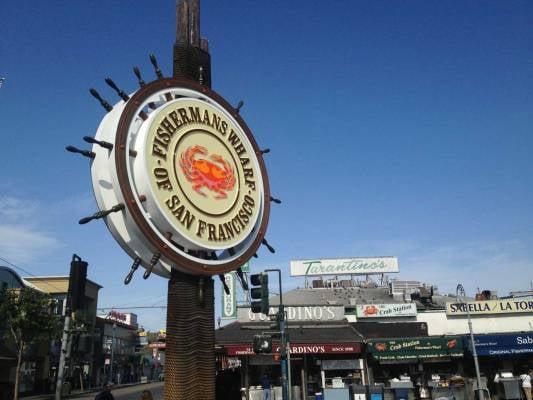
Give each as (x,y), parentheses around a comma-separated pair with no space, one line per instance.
(265,383)
(146,395)
(105,394)
(526,384)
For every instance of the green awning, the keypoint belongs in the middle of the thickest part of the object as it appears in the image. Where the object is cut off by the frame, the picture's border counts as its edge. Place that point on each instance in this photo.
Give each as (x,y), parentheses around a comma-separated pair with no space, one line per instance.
(415,348)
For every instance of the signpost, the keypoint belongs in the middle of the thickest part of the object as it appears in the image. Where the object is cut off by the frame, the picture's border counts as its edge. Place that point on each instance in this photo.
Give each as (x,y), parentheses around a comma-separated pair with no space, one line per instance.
(182,186)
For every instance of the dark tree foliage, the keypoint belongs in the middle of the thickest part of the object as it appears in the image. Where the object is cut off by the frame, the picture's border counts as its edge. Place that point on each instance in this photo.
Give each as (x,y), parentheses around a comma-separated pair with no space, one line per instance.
(26,318)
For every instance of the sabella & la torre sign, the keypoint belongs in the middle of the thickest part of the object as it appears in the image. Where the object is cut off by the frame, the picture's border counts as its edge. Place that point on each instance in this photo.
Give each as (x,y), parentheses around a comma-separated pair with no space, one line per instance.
(344,266)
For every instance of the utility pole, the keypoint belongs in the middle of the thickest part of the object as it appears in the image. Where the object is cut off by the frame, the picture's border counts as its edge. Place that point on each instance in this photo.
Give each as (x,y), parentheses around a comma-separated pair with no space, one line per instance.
(74,301)
(284,345)
(461,297)
(63,354)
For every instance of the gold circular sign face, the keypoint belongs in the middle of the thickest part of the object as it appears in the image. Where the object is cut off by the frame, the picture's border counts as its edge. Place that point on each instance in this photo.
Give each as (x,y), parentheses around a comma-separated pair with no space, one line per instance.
(204,173)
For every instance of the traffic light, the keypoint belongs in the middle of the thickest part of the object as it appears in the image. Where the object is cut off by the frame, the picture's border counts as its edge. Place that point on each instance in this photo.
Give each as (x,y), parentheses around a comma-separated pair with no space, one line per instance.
(76,283)
(262,344)
(259,293)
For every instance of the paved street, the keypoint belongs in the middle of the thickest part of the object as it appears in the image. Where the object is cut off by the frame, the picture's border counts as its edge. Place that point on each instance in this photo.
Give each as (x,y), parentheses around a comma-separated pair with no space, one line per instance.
(132,392)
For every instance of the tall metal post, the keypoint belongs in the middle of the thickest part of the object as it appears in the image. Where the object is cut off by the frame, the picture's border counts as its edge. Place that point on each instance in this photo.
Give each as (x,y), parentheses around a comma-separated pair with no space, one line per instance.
(63,354)
(190,341)
(288,344)
(285,371)
(460,294)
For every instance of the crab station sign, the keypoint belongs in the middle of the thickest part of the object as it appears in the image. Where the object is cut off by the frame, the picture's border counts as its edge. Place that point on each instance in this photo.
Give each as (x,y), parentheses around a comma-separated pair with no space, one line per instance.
(187,177)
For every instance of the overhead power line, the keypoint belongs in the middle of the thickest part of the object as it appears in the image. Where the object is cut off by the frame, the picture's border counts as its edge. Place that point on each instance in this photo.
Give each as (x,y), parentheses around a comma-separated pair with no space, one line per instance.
(28,273)
(128,308)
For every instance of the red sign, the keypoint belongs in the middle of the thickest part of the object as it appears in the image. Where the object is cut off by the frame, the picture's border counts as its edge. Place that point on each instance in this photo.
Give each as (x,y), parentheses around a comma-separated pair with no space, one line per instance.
(299,348)
(117,316)
(157,345)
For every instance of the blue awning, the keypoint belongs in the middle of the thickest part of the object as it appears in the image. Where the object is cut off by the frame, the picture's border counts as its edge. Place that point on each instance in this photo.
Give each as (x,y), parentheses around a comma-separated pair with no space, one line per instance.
(515,344)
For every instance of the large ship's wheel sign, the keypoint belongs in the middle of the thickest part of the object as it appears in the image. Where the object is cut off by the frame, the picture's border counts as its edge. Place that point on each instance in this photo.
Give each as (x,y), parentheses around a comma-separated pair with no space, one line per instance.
(179,179)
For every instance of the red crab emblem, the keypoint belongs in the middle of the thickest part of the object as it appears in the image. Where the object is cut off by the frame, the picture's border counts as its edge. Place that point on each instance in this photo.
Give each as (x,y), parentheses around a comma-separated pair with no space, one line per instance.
(216,175)
(381,346)
(370,310)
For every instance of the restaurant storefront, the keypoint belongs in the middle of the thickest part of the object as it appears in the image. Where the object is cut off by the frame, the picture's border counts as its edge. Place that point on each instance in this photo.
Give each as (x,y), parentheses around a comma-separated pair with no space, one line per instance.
(320,350)
(420,365)
(506,356)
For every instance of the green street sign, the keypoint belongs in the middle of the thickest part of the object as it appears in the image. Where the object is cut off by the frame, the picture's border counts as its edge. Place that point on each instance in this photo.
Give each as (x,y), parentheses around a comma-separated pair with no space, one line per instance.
(246,267)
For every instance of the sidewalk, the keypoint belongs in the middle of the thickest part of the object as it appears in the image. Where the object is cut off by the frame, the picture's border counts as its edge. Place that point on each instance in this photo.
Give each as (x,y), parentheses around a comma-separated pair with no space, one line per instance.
(78,393)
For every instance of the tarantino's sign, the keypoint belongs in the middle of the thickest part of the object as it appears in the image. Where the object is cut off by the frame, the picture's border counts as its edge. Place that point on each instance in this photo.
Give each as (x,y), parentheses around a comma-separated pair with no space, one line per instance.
(385,310)
(503,306)
(203,172)
(344,266)
(299,348)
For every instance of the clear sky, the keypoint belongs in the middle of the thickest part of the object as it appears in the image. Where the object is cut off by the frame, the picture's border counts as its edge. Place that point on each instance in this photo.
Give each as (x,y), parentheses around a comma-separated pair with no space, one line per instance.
(396,128)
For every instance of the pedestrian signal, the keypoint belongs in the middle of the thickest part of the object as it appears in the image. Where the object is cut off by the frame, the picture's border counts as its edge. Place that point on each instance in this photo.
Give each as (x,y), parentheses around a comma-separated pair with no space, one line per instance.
(262,344)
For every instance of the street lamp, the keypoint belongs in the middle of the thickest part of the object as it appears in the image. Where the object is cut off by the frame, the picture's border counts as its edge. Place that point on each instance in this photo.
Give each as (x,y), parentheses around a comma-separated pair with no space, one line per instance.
(461,297)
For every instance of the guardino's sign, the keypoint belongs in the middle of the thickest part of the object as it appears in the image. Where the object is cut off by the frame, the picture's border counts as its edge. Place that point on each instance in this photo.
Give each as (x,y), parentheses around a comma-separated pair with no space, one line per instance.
(344,266)
(299,348)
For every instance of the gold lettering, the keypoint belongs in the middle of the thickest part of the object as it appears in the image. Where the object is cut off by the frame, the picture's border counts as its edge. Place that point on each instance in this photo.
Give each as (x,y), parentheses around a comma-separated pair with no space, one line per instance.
(172,202)
(195,114)
(165,123)
(212,232)
(201,228)
(174,117)
(161,176)
(233,138)
(221,234)
(158,152)
(240,149)
(216,122)
(162,136)
(206,118)
(229,230)
(188,219)
(183,115)
(178,212)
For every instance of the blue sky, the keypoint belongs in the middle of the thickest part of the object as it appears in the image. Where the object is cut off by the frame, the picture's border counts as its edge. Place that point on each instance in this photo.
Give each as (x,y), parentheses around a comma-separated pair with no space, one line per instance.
(396,128)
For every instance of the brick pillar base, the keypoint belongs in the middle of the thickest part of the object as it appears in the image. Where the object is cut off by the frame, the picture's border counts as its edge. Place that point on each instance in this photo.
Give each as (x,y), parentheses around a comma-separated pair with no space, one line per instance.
(190,339)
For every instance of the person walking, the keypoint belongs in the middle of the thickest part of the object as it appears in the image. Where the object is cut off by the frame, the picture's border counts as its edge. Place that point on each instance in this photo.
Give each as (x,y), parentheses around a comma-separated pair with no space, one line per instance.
(526,384)
(265,383)
(146,395)
(105,394)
